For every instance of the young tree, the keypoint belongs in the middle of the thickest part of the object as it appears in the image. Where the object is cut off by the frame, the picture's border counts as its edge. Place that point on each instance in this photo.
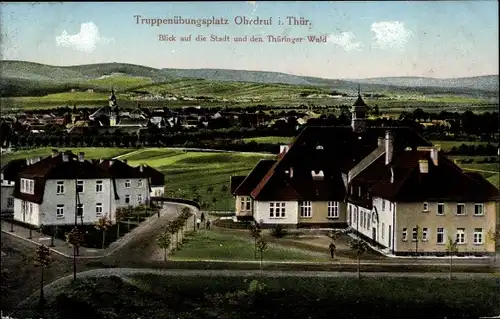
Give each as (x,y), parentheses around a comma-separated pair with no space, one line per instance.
(224,190)
(493,237)
(186,212)
(120,215)
(170,229)
(42,259)
(451,248)
(359,247)
(261,246)
(103,224)
(163,241)
(75,238)
(214,200)
(210,189)
(255,231)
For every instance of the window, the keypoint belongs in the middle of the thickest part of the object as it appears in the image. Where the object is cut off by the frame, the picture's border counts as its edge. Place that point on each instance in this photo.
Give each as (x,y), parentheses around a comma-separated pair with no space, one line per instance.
(405,234)
(355,216)
(425,233)
(359,191)
(362,221)
(127,183)
(60,187)
(10,202)
(139,199)
(245,203)
(440,209)
(27,186)
(440,236)
(333,209)
(305,209)
(60,211)
(460,209)
(98,187)
(31,208)
(277,210)
(79,186)
(139,183)
(460,235)
(478,210)
(98,209)
(414,234)
(368,220)
(426,207)
(478,236)
(79,210)
(127,199)
(383,204)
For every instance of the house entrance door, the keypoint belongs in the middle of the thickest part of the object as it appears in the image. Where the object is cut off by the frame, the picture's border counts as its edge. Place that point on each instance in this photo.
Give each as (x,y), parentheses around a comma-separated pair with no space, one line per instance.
(374,234)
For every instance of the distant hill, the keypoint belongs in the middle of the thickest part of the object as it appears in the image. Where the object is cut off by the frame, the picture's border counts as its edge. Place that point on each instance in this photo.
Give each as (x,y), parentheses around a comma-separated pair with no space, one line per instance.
(486,83)
(21,78)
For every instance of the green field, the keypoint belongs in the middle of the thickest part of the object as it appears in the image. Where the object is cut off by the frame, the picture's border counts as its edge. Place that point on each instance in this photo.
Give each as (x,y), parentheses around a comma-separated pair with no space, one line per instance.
(176,296)
(185,170)
(205,245)
(270,140)
(90,153)
(448,145)
(120,82)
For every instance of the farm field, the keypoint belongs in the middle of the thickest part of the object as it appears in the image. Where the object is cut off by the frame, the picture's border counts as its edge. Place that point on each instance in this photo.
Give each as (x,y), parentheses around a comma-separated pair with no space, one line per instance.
(269,140)
(448,145)
(154,296)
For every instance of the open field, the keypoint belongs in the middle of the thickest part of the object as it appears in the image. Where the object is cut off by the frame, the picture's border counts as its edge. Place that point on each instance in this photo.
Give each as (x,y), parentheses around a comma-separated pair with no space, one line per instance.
(212,244)
(90,152)
(157,296)
(185,170)
(269,140)
(120,82)
(448,145)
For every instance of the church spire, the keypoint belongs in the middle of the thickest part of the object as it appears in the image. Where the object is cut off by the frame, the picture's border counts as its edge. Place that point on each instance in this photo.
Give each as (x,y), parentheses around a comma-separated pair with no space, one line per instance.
(359,110)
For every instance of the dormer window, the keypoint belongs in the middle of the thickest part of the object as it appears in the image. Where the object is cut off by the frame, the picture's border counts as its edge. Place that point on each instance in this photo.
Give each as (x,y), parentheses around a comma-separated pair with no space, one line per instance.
(359,191)
(317,175)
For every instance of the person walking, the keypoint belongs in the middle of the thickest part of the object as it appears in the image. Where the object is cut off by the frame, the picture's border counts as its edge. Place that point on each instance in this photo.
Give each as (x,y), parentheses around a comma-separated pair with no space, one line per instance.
(332,250)
(208,224)
(198,221)
(202,217)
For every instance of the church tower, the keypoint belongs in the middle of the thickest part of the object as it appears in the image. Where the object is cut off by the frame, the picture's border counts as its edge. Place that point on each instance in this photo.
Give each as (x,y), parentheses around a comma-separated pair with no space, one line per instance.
(113,108)
(358,122)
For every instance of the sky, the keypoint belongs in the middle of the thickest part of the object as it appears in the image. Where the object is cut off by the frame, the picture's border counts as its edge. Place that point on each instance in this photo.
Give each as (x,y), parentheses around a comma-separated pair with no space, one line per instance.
(441,39)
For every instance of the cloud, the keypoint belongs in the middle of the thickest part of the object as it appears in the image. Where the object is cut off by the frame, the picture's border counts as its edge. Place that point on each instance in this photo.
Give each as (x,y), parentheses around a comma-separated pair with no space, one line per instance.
(346,41)
(86,40)
(390,34)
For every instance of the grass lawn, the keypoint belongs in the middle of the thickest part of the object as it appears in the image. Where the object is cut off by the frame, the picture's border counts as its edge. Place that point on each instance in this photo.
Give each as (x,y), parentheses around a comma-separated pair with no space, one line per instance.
(120,82)
(90,152)
(220,246)
(448,145)
(188,170)
(269,140)
(156,296)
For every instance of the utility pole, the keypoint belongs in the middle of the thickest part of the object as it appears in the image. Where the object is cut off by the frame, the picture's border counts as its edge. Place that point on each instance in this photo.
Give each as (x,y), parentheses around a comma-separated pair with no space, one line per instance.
(76,225)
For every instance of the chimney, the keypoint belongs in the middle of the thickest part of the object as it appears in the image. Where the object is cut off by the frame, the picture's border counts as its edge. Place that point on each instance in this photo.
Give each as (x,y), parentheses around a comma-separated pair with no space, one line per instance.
(141,168)
(423,166)
(111,162)
(125,161)
(283,148)
(291,172)
(101,161)
(434,156)
(389,147)
(54,153)
(81,156)
(65,157)
(380,141)
(392,175)
(28,161)
(38,159)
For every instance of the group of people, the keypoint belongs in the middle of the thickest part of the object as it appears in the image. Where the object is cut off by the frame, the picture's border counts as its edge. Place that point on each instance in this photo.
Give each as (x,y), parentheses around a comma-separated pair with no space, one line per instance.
(201,220)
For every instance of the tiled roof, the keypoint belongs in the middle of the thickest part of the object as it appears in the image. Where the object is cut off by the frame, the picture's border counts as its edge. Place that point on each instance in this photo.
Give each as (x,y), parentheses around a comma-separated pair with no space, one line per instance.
(446,181)
(12,168)
(330,150)
(235,181)
(157,178)
(119,169)
(255,176)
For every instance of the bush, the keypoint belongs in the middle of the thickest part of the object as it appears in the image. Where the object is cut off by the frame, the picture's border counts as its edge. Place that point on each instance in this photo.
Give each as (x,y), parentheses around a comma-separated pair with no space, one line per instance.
(256,287)
(279,231)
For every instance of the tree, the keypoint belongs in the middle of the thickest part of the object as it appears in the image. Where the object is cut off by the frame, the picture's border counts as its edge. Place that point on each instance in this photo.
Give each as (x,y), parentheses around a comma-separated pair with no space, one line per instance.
(75,238)
(224,190)
(186,213)
(103,224)
(359,247)
(493,237)
(163,241)
(210,189)
(451,248)
(170,229)
(42,259)
(120,215)
(255,231)
(261,246)
(214,200)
